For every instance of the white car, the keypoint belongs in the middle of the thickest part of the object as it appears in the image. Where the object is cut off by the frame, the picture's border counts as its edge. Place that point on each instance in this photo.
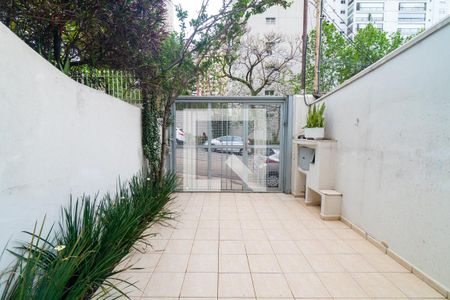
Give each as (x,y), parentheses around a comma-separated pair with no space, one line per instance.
(236,142)
(180,136)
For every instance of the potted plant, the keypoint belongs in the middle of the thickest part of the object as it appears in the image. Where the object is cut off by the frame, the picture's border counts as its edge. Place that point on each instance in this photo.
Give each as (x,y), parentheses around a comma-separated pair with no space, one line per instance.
(315,122)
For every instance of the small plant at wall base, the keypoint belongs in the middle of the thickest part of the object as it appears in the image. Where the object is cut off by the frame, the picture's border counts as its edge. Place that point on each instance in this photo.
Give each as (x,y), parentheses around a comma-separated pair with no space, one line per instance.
(81,257)
(315,122)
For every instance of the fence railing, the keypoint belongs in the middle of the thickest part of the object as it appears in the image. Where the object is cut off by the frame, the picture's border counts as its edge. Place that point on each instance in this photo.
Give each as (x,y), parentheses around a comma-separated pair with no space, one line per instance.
(119,84)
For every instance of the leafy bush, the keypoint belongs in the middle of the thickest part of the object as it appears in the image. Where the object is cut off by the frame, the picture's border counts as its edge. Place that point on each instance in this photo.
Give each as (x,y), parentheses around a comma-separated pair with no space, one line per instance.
(81,256)
(315,116)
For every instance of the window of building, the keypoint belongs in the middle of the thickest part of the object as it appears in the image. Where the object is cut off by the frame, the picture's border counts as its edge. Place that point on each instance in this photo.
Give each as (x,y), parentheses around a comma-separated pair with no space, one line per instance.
(369,17)
(370,6)
(342,12)
(412,6)
(271,20)
(363,25)
(269,92)
(342,1)
(409,31)
(411,17)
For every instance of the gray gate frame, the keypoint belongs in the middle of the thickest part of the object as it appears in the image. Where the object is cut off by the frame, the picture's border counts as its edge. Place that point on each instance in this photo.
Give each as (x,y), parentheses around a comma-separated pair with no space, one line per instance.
(285,125)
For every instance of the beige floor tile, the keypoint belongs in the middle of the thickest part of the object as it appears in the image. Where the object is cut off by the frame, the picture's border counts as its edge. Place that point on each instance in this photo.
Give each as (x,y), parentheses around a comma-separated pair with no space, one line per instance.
(412,286)
(231,247)
(205,247)
(300,234)
(156,246)
(337,247)
(207,234)
(210,216)
(277,235)
(191,224)
(347,234)
(235,285)
(312,247)
(310,258)
(384,263)
(203,263)
(199,285)
(172,263)
(233,264)
(229,234)
(143,262)
(251,224)
(208,224)
(377,286)
(179,247)
(258,247)
(272,224)
(324,234)
(354,263)
(226,224)
(363,247)
(324,263)
(314,224)
(134,284)
(164,285)
(254,235)
(305,285)
(294,263)
(284,247)
(183,234)
(341,285)
(159,232)
(270,286)
(264,263)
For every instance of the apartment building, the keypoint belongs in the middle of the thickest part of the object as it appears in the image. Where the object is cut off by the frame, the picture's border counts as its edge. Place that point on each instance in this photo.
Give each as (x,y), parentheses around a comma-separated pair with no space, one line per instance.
(287,23)
(406,16)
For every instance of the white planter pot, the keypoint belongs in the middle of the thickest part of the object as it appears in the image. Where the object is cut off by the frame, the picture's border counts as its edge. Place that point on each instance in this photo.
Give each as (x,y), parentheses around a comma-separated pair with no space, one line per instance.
(315,133)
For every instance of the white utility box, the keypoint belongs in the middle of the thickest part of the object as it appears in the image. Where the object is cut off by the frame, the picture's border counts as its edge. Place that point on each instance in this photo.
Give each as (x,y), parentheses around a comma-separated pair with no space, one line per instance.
(314,172)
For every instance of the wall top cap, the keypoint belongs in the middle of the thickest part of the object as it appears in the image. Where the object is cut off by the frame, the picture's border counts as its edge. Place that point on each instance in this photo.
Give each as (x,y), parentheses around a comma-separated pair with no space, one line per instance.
(330,193)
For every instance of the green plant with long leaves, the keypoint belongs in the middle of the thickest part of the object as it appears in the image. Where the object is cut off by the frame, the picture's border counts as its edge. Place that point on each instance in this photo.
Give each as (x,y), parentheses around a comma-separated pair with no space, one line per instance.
(81,256)
(315,116)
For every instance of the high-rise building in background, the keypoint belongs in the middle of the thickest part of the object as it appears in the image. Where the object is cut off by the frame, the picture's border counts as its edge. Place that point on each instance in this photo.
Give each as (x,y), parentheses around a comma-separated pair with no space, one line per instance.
(407,17)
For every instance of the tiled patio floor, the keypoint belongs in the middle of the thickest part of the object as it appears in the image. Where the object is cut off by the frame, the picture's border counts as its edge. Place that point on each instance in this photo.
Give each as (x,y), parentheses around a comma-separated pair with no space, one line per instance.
(264,246)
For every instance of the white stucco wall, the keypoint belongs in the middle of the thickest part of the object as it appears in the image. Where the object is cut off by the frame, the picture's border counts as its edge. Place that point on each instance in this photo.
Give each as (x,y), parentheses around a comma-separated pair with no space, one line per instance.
(392,127)
(57,138)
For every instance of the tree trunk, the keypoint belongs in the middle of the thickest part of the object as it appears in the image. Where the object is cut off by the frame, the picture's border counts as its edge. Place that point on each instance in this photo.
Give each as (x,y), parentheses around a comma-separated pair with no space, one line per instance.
(57,46)
(163,150)
(150,133)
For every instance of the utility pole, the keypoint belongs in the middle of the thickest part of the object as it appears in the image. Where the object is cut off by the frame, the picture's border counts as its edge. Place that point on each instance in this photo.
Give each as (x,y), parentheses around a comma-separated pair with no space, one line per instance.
(304,43)
(316,89)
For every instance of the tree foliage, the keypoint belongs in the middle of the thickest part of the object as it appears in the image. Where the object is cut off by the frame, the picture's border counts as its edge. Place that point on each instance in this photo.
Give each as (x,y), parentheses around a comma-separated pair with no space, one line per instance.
(257,62)
(193,55)
(108,33)
(342,58)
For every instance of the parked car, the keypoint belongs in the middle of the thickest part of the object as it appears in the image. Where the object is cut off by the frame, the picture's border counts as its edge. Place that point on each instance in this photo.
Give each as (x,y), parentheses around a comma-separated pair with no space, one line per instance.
(180,136)
(236,143)
(271,163)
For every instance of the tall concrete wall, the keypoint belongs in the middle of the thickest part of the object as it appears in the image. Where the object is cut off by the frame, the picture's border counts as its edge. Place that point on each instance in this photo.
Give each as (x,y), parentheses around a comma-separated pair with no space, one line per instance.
(57,138)
(392,126)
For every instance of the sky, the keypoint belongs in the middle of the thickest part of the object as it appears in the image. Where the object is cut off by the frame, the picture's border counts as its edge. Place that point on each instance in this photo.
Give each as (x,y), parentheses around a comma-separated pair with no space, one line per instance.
(192,7)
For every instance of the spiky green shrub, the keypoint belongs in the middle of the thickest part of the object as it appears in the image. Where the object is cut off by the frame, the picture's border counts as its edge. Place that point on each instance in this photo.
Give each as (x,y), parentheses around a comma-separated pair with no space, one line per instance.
(80,257)
(315,116)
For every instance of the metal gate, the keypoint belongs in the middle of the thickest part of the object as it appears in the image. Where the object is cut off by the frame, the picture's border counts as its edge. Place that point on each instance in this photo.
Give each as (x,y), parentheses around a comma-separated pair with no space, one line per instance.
(232,143)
